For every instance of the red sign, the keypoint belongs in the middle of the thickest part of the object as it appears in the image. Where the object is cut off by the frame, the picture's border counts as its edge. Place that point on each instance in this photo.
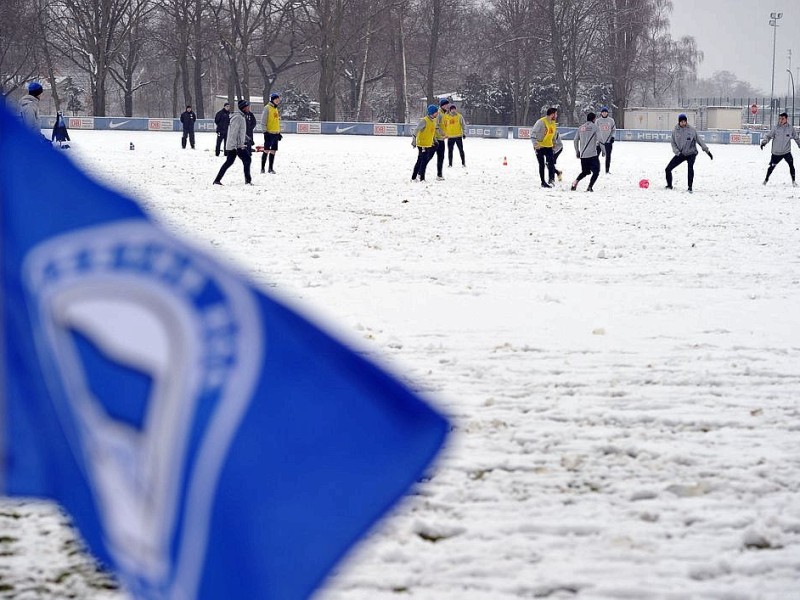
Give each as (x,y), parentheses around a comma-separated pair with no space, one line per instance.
(754,109)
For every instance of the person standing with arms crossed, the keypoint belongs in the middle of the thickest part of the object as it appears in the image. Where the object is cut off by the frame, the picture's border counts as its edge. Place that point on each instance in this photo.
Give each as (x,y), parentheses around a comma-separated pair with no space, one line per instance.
(543,137)
(606,130)
(454,128)
(187,120)
(781,135)
(271,121)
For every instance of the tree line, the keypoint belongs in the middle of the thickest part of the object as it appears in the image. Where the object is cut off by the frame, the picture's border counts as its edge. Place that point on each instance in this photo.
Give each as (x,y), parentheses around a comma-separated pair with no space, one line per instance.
(372,60)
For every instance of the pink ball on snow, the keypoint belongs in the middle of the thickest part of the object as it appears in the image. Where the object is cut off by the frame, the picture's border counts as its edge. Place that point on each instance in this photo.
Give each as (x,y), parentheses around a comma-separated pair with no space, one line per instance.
(644,183)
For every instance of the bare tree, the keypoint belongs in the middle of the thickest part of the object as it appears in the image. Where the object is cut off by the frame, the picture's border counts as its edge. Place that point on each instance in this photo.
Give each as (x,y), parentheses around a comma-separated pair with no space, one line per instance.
(20,34)
(125,68)
(91,37)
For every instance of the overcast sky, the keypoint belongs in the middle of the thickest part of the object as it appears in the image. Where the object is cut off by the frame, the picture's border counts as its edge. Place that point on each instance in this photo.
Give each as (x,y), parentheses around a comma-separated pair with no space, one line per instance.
(735,35)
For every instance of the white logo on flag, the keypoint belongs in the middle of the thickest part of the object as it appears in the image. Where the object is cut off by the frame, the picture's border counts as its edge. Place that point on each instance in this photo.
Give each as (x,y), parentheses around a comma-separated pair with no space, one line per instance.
(151,305)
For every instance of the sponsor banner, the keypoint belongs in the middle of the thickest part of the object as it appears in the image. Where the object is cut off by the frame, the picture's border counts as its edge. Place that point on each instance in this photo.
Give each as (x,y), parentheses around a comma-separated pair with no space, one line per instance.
(741,138)
(308,127)
(204,125)
(79,122)
(523,133)
(347,128)
(487,131)
(384,129)
(160,125)
(121,123)
(709,137)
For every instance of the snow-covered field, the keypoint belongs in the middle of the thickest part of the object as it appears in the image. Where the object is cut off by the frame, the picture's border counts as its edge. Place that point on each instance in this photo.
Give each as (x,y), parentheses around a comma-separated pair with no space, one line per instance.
(622,368)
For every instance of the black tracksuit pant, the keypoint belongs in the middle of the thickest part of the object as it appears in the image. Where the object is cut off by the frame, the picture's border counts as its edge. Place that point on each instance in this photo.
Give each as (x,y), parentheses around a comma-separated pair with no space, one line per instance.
(455,142)
(609,146)
(423,157)
(776,158)
(590,166)
(678,159)
(230,158)
(545,155)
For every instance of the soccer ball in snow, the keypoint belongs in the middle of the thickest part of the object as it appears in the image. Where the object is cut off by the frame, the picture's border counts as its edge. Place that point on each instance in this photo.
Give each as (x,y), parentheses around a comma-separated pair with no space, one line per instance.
(644,183)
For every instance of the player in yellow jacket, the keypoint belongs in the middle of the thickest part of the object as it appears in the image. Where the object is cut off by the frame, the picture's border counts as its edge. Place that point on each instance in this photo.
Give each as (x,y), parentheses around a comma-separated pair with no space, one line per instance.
(543,136)
(271,121)
(424,141)
(455,130)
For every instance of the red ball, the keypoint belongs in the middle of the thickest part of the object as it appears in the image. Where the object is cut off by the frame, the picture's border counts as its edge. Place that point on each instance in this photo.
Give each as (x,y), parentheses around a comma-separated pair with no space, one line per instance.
(644,183)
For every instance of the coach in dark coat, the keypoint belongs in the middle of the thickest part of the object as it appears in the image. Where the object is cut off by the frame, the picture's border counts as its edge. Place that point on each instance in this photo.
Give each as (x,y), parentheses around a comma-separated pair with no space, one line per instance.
(187,120)
(222,119)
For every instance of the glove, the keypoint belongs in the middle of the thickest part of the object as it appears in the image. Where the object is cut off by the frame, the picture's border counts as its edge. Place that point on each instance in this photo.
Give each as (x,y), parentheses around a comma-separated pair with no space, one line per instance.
(413,142)
(280,137)
(711,156)
(763,144)
(611,139)
(464,136)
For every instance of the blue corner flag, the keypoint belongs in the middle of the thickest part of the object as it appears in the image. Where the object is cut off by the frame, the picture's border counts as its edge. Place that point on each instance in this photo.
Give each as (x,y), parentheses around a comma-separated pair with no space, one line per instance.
(207,441)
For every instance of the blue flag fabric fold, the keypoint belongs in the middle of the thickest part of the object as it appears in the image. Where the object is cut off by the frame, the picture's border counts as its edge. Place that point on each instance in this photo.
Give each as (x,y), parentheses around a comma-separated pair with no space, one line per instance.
(207,441)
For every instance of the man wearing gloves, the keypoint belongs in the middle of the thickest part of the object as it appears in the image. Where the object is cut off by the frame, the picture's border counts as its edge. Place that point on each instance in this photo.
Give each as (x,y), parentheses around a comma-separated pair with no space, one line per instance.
(781,135)
(586,147)
(236,144)
(606,130)
(684,147)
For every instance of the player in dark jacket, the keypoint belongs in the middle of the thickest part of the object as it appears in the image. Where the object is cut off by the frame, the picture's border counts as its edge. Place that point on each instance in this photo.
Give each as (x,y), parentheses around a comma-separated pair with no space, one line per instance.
(187,120)
(222,119)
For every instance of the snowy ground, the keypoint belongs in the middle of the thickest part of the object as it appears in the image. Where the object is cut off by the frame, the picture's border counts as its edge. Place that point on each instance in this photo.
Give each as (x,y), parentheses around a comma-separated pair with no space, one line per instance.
(622,368)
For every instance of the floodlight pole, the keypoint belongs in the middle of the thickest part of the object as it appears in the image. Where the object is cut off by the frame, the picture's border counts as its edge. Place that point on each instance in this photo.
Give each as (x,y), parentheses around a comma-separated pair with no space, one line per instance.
(789,71)
(773,22)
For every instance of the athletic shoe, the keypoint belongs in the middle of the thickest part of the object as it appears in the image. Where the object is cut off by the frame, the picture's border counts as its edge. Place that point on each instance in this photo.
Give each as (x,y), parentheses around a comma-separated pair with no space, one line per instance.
(263,171)
(765,182)
(217,183)
(559,174)
(589,189)
(248,183)
(271,172)
(574,186)
(464,165)
(690,191)
(439,178)
(546,185)
(669,187)
(794,184)
(448,166)
(552,182)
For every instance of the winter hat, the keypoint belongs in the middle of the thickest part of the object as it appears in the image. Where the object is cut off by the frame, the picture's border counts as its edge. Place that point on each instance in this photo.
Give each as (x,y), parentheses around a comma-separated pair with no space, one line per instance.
(35,88)
(444,101)
(591,117)
(603,109)
(432,109)
(273,95)
(682,117)
(242,104)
